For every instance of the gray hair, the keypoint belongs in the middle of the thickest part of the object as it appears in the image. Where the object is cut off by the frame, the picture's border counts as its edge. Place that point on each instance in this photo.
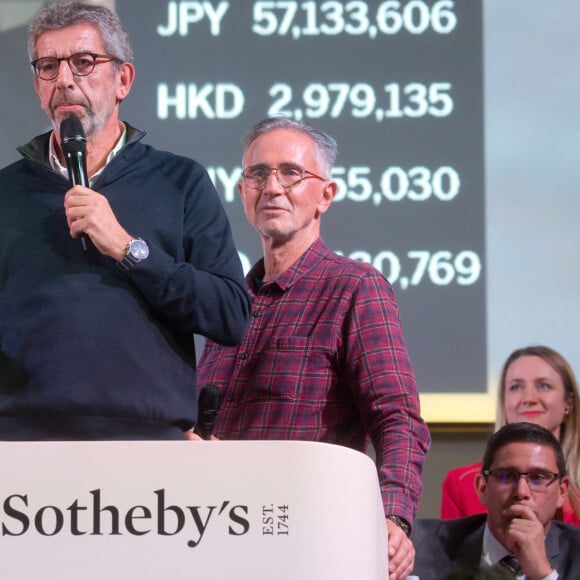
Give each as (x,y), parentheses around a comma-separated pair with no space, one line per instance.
(115,38)
(325,145)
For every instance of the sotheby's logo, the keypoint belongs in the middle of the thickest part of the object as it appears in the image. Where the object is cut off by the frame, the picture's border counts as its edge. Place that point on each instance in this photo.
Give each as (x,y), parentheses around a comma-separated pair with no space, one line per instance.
(93,515)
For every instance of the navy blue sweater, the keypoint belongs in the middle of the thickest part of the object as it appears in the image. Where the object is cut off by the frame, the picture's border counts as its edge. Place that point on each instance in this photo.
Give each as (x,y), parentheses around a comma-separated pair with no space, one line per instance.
(88,351)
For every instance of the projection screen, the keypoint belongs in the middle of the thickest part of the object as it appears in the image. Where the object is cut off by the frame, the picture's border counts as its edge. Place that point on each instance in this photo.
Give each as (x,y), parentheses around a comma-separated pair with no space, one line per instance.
(457,127)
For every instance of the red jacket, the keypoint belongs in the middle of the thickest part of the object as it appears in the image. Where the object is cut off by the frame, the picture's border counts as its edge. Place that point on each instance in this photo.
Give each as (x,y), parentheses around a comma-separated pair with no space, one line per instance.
(459,497)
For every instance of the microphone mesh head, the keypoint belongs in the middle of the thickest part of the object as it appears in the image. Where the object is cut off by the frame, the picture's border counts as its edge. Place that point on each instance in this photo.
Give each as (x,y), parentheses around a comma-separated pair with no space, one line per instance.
(72,135)
(209,399)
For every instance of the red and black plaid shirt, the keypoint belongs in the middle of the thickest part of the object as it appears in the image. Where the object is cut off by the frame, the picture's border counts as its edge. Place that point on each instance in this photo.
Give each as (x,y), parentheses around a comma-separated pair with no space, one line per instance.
(325,360)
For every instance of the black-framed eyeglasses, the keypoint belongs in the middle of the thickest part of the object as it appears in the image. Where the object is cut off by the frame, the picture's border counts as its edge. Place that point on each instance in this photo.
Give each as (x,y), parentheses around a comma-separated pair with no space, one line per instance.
(288,175)
(81,64)
(538,479)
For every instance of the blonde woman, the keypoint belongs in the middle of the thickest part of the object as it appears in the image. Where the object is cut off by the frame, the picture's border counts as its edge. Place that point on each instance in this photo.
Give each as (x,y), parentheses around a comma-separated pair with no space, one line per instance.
(537,385)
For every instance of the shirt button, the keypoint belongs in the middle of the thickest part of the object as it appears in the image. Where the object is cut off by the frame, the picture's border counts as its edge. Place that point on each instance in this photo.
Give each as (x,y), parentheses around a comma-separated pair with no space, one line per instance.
(230,399)
(244,355)
(257,313)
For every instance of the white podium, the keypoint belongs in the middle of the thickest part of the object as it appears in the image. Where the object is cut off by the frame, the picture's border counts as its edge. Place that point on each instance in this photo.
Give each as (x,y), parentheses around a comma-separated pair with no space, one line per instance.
(223,510)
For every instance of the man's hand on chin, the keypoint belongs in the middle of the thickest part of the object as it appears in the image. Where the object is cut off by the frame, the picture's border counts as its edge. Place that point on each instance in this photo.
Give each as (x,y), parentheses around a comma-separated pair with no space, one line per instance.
(524,536)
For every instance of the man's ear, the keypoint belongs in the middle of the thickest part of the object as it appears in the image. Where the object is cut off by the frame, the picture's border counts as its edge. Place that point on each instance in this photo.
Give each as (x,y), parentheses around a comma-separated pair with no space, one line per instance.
(126,77)
(564,486)
(241,191)
(481,488)
(328,194)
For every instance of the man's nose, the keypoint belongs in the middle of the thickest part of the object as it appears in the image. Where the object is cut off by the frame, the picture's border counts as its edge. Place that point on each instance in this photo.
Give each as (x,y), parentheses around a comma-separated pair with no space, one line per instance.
(522,487)
(272,185)
(65,75)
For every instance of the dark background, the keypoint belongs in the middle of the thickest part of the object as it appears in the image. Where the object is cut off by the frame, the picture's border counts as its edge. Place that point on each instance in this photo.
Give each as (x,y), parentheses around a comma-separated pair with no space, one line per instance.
(438,320)
(511,137)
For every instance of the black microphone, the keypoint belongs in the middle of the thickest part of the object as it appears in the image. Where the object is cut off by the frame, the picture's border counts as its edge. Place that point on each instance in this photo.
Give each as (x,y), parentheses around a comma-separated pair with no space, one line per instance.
(74,147)
(208,405)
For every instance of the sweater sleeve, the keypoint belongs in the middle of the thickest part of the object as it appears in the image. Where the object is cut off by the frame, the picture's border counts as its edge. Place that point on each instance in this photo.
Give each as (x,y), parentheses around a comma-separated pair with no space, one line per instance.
(198,286)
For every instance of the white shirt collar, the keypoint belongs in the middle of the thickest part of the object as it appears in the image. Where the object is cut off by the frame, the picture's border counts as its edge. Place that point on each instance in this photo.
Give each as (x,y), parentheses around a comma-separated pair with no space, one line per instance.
(60,168)
(493,552)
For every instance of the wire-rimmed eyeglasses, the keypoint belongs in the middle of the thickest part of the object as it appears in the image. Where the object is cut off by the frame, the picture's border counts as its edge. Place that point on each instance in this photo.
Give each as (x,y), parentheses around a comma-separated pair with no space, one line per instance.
(288,175)
(81,64)
(538,479)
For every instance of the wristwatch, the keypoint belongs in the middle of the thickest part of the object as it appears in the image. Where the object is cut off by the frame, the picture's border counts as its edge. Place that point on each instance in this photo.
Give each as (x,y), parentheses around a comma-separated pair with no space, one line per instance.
(401,523)
(137,251)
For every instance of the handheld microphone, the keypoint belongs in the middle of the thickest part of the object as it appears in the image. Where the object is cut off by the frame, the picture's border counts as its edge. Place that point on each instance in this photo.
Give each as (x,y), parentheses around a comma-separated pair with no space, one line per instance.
(74,147)
(208,405)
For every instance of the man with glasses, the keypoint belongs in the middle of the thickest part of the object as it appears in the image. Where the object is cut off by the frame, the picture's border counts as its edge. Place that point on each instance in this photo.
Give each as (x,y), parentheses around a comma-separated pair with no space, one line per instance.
(103,287)
(523,483)
(324,358)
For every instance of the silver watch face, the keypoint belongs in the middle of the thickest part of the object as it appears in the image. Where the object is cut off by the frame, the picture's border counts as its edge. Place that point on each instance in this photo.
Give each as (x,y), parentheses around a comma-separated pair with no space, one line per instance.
(139,249)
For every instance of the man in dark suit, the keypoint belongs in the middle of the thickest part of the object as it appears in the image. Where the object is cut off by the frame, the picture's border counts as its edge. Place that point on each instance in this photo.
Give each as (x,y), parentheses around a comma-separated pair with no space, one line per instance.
(522,482)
